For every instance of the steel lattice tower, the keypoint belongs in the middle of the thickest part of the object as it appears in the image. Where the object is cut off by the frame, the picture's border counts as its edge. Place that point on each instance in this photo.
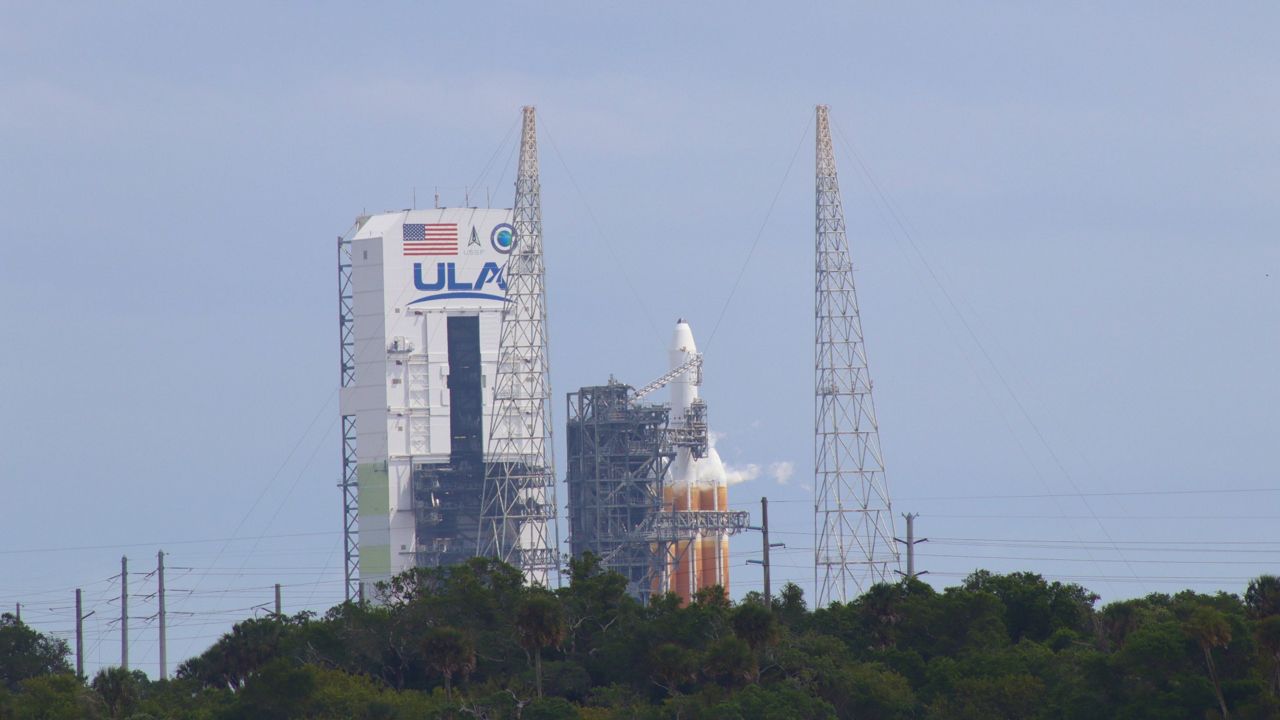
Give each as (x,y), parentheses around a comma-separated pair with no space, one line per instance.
(854,545)
(518,512)
(348,484)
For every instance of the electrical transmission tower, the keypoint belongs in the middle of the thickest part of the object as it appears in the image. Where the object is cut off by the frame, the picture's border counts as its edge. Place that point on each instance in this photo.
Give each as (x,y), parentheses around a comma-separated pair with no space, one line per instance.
(854,545)
(518,511)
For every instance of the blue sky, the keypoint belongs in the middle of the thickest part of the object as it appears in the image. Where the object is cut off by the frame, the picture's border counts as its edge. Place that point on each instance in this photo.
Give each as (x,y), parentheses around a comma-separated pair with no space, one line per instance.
(1063,220)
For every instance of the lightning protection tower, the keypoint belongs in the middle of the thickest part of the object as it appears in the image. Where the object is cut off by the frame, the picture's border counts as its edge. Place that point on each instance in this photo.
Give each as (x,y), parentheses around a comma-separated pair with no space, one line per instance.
(853,522)
(518,511)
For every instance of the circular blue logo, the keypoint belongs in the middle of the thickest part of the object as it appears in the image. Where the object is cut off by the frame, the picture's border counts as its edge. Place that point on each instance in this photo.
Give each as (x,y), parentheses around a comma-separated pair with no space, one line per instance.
(503,238)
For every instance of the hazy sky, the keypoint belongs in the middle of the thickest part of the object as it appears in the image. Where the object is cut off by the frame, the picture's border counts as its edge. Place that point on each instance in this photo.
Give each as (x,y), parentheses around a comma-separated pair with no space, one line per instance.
(1069,276)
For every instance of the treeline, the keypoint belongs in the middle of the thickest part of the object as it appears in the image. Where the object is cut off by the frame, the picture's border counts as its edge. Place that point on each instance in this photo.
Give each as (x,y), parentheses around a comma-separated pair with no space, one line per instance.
(472,641)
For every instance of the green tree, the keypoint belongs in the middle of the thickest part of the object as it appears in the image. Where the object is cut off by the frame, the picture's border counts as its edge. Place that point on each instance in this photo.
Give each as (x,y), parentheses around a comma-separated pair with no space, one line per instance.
(900,651)
(672,666)
(25,653)
(58,696)
(779,702)
(1210,630)
(540,624)
(237,655)
(344,696)
(449,652)
(729,661)
(279,690)
(1269,641)
(120,690)
(755,625)
(1035,608)
(1004,697)
(594,602)
(1262,597)
(1118,619)
(790,605)
(550,709)
(880,611)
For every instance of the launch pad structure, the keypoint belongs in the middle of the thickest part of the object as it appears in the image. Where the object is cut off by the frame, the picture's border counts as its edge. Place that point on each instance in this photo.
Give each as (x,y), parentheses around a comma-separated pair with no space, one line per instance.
(446,428)
(626,507)
(618,455)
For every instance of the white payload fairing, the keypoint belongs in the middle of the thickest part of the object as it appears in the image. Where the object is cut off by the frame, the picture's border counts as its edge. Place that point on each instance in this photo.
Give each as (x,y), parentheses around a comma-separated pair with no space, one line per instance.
(694,483)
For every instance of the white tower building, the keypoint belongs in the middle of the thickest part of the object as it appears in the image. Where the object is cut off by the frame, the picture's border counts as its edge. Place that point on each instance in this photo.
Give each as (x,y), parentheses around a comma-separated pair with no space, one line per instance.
(422,293)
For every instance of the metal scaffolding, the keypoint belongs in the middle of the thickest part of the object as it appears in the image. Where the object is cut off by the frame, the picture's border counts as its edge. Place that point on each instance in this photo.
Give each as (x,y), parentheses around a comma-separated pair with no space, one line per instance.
(619,453)
(854,546)
(518,512)
(618,457)
(446,503)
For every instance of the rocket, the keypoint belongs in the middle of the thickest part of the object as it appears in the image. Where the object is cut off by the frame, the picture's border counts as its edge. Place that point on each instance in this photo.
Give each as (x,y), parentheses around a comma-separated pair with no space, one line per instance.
(694,484)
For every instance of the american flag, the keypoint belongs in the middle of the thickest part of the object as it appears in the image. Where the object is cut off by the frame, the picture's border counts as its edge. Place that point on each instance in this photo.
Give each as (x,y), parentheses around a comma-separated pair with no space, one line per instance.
(430,239)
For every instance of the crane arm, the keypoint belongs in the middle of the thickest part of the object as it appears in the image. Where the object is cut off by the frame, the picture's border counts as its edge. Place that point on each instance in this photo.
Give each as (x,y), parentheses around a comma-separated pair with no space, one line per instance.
(694,363)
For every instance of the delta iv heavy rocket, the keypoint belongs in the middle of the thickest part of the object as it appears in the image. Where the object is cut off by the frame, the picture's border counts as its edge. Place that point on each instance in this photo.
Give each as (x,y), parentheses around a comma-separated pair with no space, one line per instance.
(697,484)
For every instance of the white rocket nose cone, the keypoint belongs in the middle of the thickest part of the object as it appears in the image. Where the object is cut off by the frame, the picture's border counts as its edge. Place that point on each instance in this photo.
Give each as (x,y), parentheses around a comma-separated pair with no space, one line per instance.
(682,339)
(683,391)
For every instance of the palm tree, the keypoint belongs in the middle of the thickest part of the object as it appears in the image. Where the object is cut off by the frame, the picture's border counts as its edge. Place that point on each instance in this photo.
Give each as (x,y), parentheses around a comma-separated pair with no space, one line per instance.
(1262,597)
(540,623)
(1210,629)
(755,625)
(1269,639)
(118,688)
(449,652)
(672,665)
(881,607)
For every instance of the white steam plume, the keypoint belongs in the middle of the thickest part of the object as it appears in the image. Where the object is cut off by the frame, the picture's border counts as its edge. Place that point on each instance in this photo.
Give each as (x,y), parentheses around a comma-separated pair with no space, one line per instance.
(782,471)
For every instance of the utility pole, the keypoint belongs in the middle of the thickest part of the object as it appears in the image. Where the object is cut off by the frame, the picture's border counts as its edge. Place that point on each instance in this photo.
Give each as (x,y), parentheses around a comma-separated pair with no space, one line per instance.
(764,534)
(79,636)
(164,655)
(124,612)
(80,618)
(765,545)
(277,601)
(911,543)
(17,612)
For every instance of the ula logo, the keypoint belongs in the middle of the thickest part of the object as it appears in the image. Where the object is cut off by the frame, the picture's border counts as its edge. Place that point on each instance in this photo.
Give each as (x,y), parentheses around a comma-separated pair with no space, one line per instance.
(446,279)
(502,238)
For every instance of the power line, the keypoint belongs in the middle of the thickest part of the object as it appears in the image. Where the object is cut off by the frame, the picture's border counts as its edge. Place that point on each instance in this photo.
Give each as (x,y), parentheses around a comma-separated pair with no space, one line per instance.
(607,238)
(1103,493)
(759,233)
(118,546)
